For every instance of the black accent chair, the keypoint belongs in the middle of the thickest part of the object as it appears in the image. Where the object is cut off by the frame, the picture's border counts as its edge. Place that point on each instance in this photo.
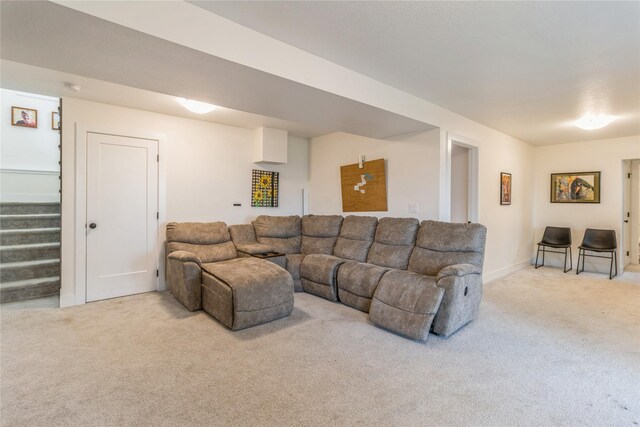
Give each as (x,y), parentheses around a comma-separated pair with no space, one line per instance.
(600,241)
(557,238)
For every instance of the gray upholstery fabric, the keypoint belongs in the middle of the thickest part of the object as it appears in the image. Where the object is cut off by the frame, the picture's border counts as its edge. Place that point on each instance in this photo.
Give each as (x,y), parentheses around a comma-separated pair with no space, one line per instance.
(209,241)
(440,244)
(282,233)
(394,241)
(319,233)
(184,278)
(277,226)
(356,236)
(284,245)
(294,262)
(242,234)
(198,233)
(245,292)
(462,285)
(406,303)
(255,248)
(318,275)
(357,282)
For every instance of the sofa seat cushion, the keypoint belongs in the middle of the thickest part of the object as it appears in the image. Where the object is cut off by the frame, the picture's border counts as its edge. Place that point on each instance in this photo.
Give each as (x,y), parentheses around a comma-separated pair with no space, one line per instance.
(245,292)
(318,275)
(406,303)
(357,282)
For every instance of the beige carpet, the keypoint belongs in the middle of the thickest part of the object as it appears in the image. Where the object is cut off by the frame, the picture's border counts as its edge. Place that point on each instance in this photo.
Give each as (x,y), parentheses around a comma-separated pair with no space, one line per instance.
(548,349)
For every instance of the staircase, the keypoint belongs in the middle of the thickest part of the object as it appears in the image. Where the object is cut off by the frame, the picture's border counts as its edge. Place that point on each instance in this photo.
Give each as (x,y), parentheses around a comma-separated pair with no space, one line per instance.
(29,250)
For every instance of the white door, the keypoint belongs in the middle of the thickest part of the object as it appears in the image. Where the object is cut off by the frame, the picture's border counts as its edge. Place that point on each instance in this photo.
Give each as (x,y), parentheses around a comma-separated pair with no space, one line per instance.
(122,206)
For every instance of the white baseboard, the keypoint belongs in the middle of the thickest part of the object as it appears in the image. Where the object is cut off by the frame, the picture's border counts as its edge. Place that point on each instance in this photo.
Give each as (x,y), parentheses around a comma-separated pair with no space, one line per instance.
(505,271)
(67,300)
(30,198)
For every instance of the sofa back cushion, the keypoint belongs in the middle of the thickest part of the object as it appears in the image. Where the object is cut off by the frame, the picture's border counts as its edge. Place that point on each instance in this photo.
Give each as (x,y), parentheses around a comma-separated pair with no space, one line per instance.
(440,244)
(282,233)
(319,233)
(209,241)
(356,236)
(394,242)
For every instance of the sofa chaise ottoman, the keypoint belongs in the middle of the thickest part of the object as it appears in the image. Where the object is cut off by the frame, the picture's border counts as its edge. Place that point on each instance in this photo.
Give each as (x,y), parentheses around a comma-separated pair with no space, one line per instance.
(245,292)
(204,271)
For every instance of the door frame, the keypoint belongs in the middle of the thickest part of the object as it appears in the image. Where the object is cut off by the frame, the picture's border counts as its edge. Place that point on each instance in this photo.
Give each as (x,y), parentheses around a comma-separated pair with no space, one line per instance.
(81,142)
(630,203)
(445,175)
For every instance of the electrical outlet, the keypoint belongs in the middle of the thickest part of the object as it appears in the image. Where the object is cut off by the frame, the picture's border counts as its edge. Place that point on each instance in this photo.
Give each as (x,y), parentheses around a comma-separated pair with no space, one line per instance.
(413,208)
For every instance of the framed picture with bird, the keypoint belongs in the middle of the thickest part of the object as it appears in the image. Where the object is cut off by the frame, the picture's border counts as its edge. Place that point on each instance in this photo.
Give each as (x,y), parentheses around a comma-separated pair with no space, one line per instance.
(575,187)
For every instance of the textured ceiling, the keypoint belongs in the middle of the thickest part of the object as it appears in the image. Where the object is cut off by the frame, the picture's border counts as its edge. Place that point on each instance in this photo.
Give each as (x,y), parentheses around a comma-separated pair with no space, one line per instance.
(525,68)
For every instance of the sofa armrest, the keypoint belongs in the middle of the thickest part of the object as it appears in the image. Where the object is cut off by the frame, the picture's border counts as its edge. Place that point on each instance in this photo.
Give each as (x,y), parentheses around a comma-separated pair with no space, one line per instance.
(184,277)
(185,256)
(458,270)
(255,248)
(462,285)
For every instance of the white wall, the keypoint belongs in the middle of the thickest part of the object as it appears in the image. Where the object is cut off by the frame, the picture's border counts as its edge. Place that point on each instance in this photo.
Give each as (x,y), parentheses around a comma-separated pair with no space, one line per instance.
(414,175)
(411,168)
(28,156)
(208,168)
(603,155)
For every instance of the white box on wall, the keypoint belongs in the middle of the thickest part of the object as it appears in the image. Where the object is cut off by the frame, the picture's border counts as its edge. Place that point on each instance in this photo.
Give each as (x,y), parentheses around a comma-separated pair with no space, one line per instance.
(270,145)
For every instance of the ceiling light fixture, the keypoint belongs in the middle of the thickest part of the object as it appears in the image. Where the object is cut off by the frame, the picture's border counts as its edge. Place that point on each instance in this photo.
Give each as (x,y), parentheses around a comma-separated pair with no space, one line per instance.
(197,107)
(593,122)
(72,86)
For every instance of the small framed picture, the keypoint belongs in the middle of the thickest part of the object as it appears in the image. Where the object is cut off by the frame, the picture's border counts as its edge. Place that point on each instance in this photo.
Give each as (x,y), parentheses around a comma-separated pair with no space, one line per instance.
(55,120)
(505,188)
(25,117)
(575,187)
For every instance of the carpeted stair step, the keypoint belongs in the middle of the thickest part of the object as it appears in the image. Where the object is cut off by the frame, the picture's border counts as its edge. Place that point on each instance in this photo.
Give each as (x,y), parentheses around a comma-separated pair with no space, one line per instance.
(30,288)
(18,221)
(29,236)
(29,208)
(30,252)
(14,271)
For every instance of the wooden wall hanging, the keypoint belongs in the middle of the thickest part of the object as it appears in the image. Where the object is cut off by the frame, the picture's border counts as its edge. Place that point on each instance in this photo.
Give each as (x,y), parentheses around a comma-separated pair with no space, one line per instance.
(364,189)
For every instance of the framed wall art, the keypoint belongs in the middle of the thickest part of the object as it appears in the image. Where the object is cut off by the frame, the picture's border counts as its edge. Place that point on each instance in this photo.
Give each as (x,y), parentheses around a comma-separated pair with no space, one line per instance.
(364,189)
(575,187)
(25,117)
(264,189)
(505,188)
(55,120)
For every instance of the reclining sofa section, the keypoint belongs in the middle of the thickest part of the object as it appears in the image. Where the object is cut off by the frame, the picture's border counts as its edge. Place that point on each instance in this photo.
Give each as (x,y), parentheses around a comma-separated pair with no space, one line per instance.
(410,277)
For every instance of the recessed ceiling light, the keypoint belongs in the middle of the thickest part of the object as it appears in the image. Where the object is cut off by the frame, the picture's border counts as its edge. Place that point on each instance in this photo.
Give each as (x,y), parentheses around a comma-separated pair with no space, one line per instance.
(197,107)
(593,122)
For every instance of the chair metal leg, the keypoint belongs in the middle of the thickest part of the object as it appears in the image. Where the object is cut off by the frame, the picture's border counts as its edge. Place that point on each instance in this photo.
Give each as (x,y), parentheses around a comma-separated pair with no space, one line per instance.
(537,253)
(564,267)
(578,266)
(570,259)
(611,266)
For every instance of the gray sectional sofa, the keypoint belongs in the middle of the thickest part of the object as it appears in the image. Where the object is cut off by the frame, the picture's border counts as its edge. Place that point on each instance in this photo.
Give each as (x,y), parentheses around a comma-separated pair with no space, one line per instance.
(411,277)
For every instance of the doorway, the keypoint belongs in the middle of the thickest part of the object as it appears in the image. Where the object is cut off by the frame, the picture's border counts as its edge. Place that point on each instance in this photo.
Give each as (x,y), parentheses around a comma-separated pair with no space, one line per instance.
(631,212)
(30,217)
(122,216)
(461,183)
